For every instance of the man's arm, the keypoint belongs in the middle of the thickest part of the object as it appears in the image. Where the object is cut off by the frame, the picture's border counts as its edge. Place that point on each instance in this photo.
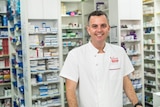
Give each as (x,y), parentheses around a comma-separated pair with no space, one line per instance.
(129,90)
(71,93)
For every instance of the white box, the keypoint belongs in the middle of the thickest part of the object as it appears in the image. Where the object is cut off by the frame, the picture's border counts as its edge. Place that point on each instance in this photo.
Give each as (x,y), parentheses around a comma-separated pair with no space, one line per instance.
(156,99)
(3,7)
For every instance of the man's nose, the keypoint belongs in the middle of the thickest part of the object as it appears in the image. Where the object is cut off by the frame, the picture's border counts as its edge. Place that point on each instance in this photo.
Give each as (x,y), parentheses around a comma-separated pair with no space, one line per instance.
(99,28)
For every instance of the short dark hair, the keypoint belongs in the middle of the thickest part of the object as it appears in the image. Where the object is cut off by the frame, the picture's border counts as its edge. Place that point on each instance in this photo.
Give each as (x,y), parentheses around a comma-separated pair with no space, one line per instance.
(97,13)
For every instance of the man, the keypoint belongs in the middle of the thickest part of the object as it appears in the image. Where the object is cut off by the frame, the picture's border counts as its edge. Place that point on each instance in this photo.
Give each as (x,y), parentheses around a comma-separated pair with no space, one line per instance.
(98,70)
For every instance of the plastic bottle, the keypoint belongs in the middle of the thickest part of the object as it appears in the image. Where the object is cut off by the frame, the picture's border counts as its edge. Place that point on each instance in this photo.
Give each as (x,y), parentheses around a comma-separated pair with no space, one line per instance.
(4,21)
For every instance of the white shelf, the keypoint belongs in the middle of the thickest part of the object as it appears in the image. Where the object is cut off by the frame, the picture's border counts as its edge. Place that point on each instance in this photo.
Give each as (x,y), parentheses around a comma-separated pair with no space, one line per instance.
(131,54)
(150,84)
(5,97)
(37,46)
(3,26)
(44,83)
(148,2)
(44,97)
(132,40)
(43,72)
(72,38)
(71,0)
(71,28)
(153,76)
(149,50)
(43,33)
(130,29)
(44,58)
(149,34)
(4,84)
(148,92)
(4,67)
(3,37)
(151,29)
(1,56)
(70,16)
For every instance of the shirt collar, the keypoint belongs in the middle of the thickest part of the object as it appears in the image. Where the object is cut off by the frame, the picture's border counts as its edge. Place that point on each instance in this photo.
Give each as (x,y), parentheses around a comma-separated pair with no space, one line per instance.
(95,50)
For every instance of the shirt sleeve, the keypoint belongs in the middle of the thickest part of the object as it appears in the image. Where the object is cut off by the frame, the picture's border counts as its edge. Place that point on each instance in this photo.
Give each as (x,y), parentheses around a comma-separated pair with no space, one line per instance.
(70,67)
(128,67)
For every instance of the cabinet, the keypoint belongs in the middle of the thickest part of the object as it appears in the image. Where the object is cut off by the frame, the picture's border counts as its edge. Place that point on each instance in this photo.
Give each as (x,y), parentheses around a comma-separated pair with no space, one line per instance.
(40,9)
(151,27)
(42,55)
(5,77)
(127,28)
(130,11)
(42,82)
(156,97)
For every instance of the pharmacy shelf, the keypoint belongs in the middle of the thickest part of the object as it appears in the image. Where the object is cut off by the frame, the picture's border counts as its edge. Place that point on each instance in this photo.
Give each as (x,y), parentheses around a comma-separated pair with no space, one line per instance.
(7,83)
(72,28)
(127,31)
(151,47)
(3,27)
(42,56)
(5,80)
(131,37)
(5,97)
(43,75)
(15,53)
(46,71)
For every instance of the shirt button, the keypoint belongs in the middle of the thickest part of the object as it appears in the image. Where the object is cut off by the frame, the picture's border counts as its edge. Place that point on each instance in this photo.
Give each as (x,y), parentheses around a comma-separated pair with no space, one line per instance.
(96,64)
(94,55)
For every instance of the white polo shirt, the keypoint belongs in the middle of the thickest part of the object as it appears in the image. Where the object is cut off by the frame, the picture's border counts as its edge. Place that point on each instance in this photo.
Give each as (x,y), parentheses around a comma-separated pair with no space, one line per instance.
(99,75)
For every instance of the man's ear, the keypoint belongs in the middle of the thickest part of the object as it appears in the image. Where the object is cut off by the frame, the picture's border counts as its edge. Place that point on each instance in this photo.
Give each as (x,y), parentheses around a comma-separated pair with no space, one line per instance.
(88,32)
(87,28)
(109,28)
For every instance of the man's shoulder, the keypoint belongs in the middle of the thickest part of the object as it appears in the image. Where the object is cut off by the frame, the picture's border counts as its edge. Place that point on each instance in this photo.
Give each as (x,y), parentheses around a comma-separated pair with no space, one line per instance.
(113,46)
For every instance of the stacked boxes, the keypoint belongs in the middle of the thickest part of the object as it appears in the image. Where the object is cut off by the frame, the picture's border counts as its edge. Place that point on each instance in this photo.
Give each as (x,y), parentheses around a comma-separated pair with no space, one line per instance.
(4,47)
(4,76)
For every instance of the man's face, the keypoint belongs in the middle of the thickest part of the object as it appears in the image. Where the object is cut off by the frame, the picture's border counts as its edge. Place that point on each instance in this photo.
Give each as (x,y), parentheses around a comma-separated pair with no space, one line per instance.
(98,28)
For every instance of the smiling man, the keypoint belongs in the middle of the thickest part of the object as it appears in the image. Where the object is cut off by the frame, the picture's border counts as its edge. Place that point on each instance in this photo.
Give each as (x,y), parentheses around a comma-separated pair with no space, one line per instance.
(96,73)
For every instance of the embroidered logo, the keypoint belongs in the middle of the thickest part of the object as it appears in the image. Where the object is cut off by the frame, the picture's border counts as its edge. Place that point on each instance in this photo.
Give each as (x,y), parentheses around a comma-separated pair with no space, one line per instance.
(114,59)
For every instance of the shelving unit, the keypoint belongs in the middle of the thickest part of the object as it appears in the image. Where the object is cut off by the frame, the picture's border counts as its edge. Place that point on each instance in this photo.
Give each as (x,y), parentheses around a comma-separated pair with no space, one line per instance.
(127,31)
(149,51)
(5,80)
(36,61)
(151,28)
(44,64)
(15,47)
(131,41)
(42,54)
(72,25)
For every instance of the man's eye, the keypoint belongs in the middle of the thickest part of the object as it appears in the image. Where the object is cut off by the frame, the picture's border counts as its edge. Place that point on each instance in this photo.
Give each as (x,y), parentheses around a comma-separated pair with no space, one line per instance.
(94,26)
(104,26)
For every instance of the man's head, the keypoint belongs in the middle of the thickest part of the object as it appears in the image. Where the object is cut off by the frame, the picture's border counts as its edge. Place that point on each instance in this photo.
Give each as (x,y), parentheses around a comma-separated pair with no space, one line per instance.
(97,13)
(98,27)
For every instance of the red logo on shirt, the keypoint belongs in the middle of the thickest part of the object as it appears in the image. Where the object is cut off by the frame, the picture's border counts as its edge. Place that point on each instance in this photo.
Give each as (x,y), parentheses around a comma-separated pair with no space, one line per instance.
(114,60)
